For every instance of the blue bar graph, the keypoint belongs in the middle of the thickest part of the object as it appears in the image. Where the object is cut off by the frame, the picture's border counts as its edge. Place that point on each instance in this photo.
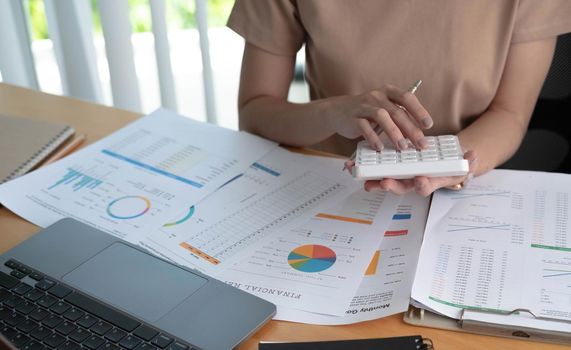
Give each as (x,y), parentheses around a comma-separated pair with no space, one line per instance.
(77,180)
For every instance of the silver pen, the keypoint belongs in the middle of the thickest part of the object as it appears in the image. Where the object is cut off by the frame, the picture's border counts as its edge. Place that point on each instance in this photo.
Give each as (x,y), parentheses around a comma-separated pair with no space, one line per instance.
(378,129)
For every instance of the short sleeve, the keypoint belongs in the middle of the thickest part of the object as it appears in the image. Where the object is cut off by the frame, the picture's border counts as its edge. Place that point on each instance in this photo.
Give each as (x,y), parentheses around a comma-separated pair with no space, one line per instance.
(540,19)
(272,25)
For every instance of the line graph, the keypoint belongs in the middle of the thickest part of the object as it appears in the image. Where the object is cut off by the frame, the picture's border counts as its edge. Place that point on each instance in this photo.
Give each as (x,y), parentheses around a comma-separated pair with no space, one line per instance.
(555,273)
(498,227)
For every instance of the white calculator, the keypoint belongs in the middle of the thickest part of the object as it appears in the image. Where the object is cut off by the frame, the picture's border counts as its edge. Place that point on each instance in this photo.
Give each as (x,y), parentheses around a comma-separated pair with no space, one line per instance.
(443,157)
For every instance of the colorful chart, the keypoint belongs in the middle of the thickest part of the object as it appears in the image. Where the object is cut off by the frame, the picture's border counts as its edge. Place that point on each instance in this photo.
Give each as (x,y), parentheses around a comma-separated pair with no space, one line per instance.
(311,258)
(186,217)
(128,207)
(77,180)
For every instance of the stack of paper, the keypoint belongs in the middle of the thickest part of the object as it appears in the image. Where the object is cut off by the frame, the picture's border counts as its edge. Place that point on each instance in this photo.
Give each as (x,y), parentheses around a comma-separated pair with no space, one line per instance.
(292,229)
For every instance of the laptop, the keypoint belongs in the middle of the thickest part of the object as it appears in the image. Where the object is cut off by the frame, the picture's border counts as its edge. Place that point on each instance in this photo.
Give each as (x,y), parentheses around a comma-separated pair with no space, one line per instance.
(71,286)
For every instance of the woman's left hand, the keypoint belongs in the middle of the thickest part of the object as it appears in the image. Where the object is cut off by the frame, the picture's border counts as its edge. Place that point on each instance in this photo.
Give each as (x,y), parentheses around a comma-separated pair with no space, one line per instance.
(422,185)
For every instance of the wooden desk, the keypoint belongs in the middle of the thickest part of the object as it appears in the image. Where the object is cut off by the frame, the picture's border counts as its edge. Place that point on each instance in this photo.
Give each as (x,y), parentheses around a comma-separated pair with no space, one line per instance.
(97,121)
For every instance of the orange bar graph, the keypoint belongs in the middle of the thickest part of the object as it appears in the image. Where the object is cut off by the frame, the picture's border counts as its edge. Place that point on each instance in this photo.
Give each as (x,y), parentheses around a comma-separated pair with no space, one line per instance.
(372,268)
(344,218)
(200,253)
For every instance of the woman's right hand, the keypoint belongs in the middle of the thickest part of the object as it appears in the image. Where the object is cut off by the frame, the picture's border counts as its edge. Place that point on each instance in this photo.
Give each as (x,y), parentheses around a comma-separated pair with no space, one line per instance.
(396,112)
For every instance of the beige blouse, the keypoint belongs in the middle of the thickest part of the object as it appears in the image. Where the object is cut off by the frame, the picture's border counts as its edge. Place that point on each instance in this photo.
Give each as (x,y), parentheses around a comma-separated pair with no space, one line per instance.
(457,47)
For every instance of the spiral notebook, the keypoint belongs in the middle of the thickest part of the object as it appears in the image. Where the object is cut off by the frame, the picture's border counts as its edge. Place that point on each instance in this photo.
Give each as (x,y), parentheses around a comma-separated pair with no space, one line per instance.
(24,143)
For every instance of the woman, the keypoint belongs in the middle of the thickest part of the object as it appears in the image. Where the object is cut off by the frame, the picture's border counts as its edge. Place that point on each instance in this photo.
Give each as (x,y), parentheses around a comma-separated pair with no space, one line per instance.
(482,64)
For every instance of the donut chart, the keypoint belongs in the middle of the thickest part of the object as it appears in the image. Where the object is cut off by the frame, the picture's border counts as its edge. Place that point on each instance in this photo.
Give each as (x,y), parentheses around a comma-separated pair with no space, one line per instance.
(311,258)
(128,207)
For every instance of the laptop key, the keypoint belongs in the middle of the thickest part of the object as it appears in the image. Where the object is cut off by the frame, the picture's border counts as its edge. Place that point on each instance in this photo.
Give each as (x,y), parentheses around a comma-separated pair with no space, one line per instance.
(87,321)
(27,326)
(8,281)
(146,346)
(101,328)
(33,345)
(19,340)
(60,307)
(66,327)
(102,311)
(162,341)
(69,345)
(41,332)
(145,332)
(8,332)
(73,314)
(14,319)
(109,346)
(4,312)
(52,321)
(18,274)
(36,276)
(130,342)
(4,294)
(115,335)
(38,314)
(178,346)
(79,335)
(59,291)
(54,340)
(46,301)
(34,294)
(26,307)
(93,342)
(24,269)
(45,284)
(13,301)
(22,289)
(12,263)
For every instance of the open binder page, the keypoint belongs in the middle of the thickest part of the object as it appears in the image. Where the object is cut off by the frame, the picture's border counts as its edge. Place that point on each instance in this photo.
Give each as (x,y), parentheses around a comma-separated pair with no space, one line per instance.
(502,243)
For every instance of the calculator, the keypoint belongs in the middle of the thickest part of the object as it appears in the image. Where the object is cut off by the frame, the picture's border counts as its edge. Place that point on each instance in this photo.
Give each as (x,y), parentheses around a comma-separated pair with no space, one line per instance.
(442,157)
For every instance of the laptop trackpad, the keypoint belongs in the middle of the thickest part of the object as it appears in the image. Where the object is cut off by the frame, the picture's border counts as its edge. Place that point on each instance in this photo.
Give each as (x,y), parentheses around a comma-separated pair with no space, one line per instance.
(134,281)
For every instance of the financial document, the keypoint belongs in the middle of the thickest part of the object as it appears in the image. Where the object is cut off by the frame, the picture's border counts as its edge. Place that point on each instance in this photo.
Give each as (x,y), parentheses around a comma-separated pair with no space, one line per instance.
(137,178)
(502,243)
(318,264)
(274,192)
(387,281)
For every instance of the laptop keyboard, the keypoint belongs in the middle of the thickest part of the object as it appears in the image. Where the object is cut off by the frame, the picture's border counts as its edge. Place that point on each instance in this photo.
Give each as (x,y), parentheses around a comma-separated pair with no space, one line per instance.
(49,315)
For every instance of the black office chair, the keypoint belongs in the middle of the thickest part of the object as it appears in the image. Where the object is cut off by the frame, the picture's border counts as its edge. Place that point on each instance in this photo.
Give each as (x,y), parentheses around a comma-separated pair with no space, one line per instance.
(546,144)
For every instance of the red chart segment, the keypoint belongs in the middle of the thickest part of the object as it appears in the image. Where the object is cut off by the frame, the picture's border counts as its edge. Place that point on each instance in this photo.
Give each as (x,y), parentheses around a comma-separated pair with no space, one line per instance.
(311,258)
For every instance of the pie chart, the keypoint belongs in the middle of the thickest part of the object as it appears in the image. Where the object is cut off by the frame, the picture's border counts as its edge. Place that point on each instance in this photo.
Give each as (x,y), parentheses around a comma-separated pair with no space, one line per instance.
(311,258)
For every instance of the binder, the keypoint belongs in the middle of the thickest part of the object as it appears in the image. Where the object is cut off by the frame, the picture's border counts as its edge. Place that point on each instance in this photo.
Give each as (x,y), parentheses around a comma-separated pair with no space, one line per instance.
(24,143)
(420,317)
(414,342)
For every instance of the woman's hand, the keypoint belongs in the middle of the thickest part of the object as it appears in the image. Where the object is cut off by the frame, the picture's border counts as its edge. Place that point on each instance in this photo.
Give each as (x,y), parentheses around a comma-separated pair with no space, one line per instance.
(396,112)
(422,185)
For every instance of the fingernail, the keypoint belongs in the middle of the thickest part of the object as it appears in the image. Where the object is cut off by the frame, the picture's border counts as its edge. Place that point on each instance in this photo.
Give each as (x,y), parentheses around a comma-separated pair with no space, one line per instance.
(379,146)
(423,142)
(403,144)
(472,160)
(427,122)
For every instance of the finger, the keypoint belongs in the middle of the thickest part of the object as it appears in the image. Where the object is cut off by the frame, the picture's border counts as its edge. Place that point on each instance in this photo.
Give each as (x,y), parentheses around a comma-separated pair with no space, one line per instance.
(412,104)
(349,165)
(424,186)
(404,122)
(399,187)
(386,124)
(369,134)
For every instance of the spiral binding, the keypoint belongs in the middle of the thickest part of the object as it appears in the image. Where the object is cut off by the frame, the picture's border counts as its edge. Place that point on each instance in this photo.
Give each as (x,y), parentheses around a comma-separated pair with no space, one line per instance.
(40,154)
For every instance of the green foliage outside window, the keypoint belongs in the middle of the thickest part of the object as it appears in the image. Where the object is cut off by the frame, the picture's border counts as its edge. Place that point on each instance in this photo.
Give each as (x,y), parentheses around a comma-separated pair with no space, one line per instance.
(180,15)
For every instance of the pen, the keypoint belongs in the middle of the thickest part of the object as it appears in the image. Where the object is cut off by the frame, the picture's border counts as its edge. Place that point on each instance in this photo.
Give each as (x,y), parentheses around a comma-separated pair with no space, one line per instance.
(378,130)
(67,149)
